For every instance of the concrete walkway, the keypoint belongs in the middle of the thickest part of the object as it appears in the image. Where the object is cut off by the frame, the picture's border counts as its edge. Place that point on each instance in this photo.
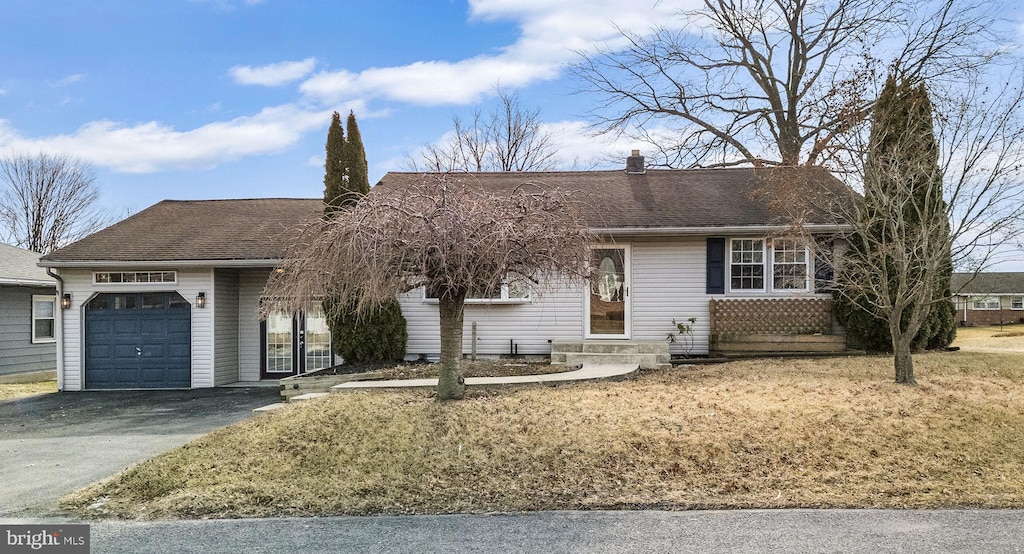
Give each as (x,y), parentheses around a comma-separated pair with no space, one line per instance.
(586,373)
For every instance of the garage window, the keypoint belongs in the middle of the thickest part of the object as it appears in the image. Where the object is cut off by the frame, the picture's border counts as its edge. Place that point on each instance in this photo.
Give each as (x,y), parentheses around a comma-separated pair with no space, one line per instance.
(104,277)
(43,323)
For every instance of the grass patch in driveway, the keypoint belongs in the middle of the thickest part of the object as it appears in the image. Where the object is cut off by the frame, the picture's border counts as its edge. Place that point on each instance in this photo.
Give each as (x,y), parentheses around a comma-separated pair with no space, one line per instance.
(12,391)
(834,432)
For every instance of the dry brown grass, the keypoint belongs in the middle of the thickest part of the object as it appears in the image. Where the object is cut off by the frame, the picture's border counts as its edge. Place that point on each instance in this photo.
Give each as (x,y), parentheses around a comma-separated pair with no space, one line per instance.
(9,391)
(758,433)
(994,338)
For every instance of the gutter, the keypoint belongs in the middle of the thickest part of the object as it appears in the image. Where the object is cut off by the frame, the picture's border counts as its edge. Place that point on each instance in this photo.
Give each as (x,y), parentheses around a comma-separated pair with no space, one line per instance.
(59,319)
(26,282)
(712,231)
(161,264)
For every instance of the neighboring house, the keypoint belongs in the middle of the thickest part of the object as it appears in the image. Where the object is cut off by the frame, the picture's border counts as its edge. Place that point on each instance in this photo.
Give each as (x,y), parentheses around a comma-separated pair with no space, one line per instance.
(988,298)
(169,297)
(28,308)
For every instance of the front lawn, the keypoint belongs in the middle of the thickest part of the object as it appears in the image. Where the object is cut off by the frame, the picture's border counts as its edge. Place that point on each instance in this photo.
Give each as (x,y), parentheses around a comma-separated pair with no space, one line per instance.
(832,432)
(11,391)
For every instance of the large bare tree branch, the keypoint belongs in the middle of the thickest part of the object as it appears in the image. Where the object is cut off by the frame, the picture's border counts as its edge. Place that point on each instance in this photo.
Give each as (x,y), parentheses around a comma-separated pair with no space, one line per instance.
(777,82)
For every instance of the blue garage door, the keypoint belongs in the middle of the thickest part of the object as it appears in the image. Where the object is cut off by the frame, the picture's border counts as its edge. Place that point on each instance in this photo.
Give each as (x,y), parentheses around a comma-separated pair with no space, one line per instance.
(138,341)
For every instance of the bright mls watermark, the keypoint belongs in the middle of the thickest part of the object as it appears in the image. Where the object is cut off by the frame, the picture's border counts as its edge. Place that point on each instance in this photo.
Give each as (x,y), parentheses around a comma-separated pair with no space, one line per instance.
(63,539)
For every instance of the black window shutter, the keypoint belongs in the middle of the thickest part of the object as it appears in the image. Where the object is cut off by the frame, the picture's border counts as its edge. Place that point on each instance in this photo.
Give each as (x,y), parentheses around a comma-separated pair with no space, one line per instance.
(716,265)
(824,274)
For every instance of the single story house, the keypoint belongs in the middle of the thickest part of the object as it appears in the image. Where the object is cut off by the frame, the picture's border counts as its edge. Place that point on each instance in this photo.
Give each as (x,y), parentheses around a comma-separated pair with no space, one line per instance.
(169,297)
(28,308)
(989,298)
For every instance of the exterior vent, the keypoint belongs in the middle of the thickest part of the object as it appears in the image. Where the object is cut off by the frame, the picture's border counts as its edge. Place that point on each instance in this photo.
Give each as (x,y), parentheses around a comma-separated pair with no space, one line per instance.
(635,164)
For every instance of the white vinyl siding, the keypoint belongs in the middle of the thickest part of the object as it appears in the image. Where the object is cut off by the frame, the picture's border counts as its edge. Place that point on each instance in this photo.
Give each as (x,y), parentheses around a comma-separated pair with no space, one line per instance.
(78,282)
(224,304)
(250,288)
(551,315)
(669,283)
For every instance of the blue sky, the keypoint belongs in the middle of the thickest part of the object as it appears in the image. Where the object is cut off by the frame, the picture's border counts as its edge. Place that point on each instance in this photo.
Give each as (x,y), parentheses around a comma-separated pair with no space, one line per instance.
(194,99)
(231,98)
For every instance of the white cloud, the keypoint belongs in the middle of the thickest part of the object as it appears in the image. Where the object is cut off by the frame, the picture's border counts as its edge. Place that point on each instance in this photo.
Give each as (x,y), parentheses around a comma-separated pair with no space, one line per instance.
(70,79)
(2,92)
(274,74)
(552,34)
(153,146)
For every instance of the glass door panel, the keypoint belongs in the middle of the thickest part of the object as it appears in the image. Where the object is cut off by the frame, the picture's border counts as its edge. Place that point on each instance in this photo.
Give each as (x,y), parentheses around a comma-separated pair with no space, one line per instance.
(608,291)
(318,341)
(280,337)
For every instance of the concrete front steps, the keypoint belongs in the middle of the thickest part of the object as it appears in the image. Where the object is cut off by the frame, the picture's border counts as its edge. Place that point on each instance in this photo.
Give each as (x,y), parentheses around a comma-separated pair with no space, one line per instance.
(645,354)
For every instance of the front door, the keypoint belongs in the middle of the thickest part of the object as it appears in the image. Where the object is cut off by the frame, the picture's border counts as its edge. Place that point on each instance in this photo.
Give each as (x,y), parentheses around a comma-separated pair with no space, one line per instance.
(294,345)
(607,306)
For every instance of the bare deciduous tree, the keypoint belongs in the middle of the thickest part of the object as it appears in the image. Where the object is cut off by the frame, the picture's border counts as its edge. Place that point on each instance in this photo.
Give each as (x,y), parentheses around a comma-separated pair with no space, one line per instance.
(441,234)
(776,82)
(47,201)
(510,138)
(904,236)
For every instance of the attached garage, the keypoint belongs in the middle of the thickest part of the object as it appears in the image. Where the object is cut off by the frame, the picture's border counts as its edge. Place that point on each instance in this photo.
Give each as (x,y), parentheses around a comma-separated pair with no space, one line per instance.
(138,341)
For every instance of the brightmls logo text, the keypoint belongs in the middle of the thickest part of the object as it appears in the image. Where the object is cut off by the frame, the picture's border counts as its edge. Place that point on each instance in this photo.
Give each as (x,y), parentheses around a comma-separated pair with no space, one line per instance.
(64,539)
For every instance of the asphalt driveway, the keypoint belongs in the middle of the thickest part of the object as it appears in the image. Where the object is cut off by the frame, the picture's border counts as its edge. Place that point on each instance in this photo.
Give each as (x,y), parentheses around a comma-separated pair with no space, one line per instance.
(53,444)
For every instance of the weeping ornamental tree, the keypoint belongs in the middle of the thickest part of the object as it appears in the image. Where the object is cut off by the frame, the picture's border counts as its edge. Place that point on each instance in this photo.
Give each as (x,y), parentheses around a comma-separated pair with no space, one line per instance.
(377,335)
(441,234)
(895,276)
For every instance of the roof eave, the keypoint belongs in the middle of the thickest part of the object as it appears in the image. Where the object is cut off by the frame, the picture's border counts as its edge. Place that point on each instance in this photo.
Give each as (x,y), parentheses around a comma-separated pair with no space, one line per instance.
(712,231)
(28,282)
(161,264)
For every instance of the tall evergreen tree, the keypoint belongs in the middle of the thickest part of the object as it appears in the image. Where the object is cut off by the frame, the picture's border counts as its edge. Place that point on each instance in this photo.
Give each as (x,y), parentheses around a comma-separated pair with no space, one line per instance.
(904,240)
(378,336)
(334,166)
(356,169)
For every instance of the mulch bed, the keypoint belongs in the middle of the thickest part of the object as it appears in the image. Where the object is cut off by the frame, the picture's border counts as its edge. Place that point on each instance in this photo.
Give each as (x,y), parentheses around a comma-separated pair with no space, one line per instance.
(424,370)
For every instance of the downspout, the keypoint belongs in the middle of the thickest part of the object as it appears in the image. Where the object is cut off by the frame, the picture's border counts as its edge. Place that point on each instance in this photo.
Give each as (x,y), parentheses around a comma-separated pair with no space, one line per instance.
(60,328)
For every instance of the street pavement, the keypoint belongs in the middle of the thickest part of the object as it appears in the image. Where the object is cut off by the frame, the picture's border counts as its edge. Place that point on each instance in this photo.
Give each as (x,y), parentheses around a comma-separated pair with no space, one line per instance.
(597,532)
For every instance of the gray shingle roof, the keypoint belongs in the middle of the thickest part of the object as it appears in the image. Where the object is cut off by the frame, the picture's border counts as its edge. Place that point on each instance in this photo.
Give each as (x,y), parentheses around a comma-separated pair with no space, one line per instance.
(252,230)
(175,230)
(659,198)
(18,266)
(988,283)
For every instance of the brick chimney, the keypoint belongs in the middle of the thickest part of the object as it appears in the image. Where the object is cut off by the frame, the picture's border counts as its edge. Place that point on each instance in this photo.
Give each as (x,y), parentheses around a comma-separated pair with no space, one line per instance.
(635,164)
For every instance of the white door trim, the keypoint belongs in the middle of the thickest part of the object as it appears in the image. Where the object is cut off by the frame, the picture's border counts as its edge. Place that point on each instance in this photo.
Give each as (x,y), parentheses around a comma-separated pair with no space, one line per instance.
(627,296)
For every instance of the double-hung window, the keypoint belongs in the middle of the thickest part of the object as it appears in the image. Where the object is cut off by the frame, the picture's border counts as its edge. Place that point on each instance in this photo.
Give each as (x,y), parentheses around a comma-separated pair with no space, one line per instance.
(755,265)
(44,310)
(789,265)
(746,264)
(1017,302)
(987,303)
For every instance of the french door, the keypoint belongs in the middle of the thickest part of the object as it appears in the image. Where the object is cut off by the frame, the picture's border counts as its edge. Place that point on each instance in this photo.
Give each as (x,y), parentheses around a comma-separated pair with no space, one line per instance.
(294,345)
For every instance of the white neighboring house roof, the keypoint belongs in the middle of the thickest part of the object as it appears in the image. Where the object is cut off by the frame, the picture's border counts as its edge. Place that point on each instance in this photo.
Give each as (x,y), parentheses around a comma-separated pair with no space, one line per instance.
(21,267)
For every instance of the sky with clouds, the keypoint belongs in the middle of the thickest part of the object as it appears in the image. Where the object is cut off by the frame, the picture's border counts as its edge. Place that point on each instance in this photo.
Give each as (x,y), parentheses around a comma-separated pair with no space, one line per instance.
(193,99)
(231,98)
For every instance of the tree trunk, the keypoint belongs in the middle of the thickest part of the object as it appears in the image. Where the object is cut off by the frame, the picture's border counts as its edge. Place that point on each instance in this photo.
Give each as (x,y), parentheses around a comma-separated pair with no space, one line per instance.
(903,361)
(451,385)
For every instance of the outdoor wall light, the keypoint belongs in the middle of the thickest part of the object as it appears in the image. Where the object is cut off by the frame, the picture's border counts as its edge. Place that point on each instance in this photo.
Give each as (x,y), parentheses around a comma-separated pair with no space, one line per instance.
(65,301)
(201,300)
